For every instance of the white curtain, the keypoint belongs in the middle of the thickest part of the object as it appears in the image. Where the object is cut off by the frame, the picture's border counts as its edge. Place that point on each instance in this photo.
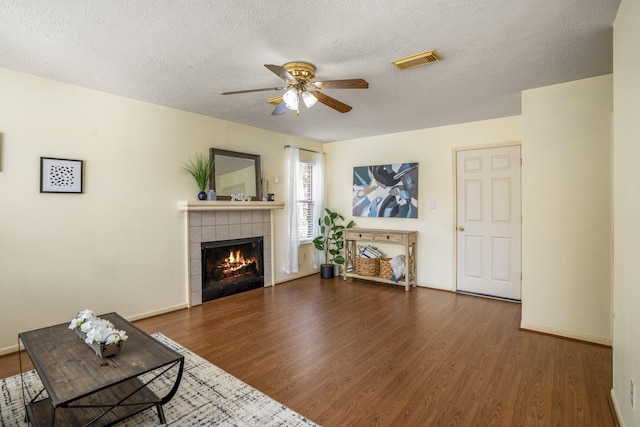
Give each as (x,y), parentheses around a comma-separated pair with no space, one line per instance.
(292,244)
(318,204)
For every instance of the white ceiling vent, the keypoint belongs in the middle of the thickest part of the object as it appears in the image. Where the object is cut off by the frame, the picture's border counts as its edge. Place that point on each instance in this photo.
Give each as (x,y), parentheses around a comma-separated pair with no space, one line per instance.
(413,61)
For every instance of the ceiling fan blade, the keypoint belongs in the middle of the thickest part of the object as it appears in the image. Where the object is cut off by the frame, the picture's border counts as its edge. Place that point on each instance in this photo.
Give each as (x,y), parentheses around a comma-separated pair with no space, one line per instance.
(275,100)
(331,102)
(281,72)
(280,109)
(342,84)
(251,90)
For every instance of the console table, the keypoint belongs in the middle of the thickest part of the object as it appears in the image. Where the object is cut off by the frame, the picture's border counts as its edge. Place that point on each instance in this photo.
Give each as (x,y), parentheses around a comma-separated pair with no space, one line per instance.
(365,235)
(85,389)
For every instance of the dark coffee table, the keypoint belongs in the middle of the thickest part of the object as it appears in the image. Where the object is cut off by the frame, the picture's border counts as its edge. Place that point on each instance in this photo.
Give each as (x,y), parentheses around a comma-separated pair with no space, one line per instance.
(85,389)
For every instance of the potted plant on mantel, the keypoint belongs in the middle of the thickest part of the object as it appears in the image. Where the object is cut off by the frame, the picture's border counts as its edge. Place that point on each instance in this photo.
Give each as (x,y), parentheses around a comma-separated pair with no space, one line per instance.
(199,168)
(330,241)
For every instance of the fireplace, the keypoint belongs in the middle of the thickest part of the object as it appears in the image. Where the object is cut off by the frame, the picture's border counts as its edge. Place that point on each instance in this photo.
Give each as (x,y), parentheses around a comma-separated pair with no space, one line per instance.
(231,266)
(224,220)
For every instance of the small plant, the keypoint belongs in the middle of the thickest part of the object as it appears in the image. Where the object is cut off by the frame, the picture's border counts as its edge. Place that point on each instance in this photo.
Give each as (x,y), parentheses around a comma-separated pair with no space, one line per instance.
(200,169)
(330,239)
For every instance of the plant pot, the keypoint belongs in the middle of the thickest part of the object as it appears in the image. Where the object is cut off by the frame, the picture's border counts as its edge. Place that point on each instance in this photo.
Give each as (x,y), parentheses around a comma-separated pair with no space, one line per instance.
(326,271)
(202,195)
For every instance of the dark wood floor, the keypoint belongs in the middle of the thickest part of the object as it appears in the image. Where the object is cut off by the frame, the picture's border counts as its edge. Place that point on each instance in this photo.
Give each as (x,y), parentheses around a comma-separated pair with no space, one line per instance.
(361,354)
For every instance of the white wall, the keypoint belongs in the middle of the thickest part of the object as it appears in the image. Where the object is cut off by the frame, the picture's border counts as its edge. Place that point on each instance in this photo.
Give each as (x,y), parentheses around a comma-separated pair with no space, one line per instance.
(566,205)
(120,246)
(626,334)
(433,149)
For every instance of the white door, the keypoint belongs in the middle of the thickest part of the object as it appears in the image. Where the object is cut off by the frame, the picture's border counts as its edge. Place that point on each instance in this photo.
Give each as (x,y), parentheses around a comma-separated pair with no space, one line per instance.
(489,222)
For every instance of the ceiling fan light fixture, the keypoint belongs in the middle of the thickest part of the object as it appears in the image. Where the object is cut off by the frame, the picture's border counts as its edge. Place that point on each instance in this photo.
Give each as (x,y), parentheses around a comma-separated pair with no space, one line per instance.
(291,99)
(308,99)
(299,78)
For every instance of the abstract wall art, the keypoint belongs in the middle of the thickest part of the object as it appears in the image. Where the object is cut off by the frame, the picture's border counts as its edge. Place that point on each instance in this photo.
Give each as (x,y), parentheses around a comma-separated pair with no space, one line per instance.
(388,191)
(60,175)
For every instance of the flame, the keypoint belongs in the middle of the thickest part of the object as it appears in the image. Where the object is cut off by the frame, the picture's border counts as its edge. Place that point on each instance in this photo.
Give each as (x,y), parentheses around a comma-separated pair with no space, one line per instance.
(235,260)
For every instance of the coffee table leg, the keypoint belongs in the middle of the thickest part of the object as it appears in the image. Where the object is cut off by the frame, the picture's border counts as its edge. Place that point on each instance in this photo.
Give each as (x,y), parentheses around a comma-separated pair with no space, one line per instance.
(161,414)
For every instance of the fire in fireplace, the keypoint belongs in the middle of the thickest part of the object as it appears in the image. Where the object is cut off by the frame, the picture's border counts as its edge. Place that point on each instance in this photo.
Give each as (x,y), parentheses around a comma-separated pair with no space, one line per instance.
(231,266)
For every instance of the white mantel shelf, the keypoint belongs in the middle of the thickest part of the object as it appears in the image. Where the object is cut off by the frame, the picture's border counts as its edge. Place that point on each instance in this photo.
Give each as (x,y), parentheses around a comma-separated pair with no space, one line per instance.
(224,205)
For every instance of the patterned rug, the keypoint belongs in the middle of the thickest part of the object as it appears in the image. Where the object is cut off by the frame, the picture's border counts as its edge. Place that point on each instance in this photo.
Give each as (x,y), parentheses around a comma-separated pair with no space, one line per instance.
(208,396)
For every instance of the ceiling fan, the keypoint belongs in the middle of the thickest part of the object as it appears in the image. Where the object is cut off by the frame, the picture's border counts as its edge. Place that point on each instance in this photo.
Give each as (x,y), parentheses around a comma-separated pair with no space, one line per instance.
(301,88)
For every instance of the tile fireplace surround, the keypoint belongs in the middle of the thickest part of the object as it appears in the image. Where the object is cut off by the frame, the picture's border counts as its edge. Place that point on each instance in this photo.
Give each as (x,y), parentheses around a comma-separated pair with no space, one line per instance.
(222,220)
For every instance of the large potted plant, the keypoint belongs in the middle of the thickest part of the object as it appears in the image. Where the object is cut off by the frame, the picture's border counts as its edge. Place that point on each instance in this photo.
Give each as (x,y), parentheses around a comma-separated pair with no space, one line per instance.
(199,167)
(330,241)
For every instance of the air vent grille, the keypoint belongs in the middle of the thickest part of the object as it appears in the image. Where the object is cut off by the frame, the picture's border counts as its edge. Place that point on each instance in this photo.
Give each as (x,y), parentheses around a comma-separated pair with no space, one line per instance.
(413,61)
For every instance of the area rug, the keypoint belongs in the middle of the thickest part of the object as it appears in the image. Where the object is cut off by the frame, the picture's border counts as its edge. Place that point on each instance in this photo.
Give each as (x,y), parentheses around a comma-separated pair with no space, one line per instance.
(207,396)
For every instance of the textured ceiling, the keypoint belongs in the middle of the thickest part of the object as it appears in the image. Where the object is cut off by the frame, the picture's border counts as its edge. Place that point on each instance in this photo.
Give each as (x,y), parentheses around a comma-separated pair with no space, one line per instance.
(183,54)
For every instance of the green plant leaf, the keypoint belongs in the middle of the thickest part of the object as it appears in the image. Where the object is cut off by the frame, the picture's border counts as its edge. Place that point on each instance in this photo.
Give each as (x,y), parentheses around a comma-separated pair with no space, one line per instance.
(199,167)
(330,240)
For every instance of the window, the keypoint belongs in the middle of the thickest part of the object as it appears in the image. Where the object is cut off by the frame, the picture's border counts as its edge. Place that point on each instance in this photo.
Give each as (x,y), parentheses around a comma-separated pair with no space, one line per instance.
(305,200)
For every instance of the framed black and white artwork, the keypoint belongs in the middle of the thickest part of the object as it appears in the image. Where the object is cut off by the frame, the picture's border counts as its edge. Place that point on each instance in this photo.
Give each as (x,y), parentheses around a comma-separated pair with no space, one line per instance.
(60,175)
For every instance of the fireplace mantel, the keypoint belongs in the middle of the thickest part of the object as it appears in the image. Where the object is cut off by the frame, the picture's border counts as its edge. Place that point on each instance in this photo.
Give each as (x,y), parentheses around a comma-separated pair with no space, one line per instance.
(209,221)
(224,205)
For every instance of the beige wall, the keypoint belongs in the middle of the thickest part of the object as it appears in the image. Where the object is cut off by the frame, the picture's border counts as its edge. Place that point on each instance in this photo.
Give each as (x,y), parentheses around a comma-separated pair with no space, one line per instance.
(567,222)
(626,334)
(120,246)
(566,205)
(433,149)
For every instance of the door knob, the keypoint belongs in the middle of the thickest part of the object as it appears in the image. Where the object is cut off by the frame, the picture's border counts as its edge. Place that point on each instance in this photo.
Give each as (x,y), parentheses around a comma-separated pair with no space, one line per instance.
(461,228)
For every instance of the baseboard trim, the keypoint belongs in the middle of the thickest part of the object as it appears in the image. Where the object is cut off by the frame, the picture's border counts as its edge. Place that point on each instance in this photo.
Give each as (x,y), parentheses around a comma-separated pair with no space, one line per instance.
(14,348)
(615,410)
(296,276)
(157,312)
(566,334)
(9,350)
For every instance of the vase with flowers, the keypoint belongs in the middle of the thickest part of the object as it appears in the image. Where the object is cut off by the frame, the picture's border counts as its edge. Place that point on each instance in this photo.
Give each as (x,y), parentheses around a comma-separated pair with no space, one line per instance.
(101,335)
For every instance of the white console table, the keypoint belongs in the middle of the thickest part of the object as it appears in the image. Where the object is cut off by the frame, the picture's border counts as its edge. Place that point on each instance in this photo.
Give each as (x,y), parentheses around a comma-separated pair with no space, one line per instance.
(399,237)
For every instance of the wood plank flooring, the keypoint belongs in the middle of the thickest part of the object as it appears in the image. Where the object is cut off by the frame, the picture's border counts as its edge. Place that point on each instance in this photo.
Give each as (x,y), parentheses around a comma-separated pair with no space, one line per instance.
(356,353)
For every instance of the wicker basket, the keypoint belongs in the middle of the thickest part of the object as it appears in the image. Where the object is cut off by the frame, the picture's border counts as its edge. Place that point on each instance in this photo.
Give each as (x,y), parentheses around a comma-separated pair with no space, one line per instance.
(386,272)
(367,266)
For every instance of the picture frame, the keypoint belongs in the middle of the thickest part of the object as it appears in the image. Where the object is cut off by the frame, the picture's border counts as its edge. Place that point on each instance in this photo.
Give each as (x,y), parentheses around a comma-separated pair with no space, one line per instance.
(61,175)
(385,191)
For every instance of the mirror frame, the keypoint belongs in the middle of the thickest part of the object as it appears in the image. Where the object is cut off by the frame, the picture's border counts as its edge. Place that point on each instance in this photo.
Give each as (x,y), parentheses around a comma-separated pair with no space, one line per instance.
(213,152)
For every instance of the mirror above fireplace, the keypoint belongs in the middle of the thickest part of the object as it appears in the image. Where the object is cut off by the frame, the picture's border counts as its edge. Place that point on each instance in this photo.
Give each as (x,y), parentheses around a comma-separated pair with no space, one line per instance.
(235,172)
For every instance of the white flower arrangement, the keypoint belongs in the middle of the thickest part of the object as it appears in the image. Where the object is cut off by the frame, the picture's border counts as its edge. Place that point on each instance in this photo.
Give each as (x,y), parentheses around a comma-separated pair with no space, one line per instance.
(97,330)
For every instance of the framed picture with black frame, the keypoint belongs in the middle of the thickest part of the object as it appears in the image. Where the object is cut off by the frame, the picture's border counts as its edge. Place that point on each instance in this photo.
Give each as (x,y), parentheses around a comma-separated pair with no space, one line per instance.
(61,175)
